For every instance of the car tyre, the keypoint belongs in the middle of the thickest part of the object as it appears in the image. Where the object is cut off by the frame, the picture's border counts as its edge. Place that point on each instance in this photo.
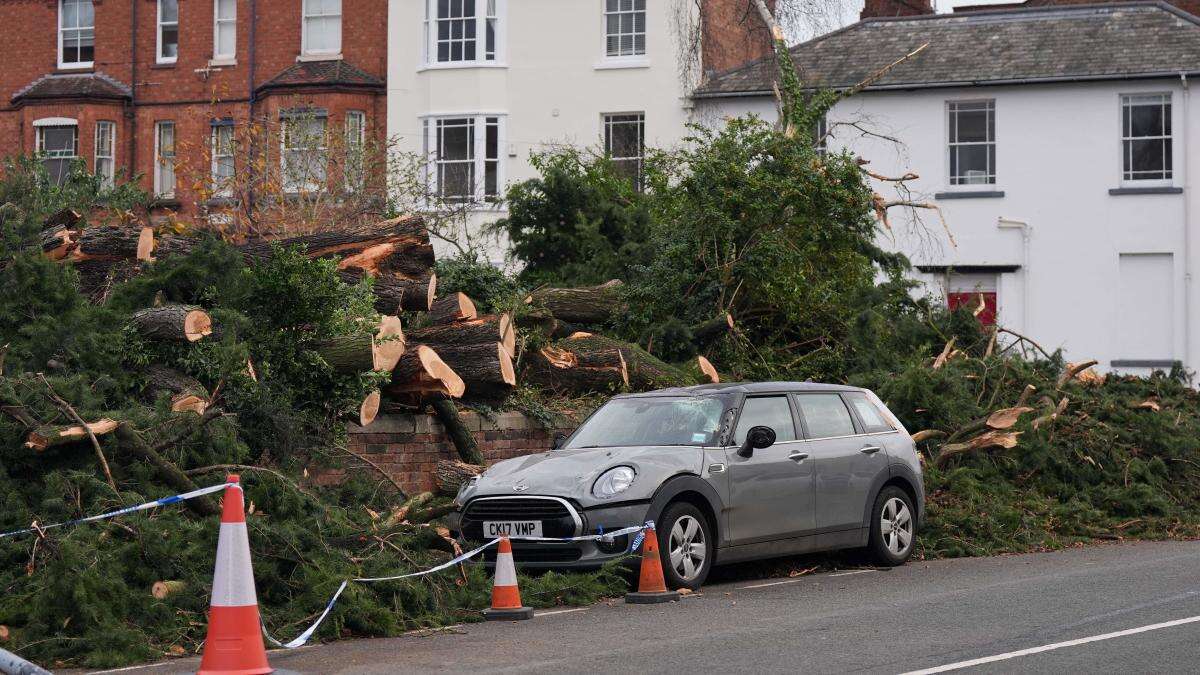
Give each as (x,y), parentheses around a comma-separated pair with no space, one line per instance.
(893,527)
(685,544)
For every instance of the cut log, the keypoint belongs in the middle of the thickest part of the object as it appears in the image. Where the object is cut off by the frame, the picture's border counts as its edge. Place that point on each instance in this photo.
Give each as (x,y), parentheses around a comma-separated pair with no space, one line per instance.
(111,242)
(586,305)
(394,293)
(421,371)
(369,409)
(487,369)
(145,244)
(707,368)
(451,308)
(187,394)
(389,341)
(49,436)
(449,475)
(162,589)
(508,334)
(578,370)
(57,243)
(487,328)
(646,372)
(712,329)
(63,218)
(173,322)
(407,236)
(359,353)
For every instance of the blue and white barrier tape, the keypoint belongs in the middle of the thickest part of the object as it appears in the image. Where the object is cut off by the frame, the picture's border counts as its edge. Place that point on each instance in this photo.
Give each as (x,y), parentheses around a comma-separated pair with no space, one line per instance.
(304,637)
(129,509)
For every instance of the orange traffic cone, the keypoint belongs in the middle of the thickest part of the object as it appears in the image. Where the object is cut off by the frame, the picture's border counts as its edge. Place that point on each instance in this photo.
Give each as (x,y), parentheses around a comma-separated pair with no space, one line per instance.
(652,588)
(506,597)
(235,644)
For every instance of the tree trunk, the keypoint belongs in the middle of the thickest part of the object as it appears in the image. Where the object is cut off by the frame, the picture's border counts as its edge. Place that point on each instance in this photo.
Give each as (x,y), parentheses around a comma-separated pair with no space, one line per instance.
(646,372)
(406,235)
(587,305)
(464,442)
(187,394)
(712,329)
(578,370)
(450,475)
(113,242)
(487,328)
(49,436)
(169,473)
(395,293)
(173,322)
(487,369)
(451,308)
(422,372)
(63,218)
(369,409)
(356,353)
(57,243)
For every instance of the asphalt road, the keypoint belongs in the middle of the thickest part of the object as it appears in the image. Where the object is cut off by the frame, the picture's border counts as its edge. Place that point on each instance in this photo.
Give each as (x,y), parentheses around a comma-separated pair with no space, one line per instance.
(1124,608)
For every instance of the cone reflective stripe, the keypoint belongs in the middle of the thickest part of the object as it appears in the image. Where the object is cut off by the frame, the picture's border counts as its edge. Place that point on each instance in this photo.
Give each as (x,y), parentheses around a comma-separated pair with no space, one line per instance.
(234,644)
(506,597)
(652,586)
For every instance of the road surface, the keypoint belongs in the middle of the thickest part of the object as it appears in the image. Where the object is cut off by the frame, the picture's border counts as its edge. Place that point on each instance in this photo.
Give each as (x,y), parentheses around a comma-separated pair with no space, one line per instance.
(1107,609)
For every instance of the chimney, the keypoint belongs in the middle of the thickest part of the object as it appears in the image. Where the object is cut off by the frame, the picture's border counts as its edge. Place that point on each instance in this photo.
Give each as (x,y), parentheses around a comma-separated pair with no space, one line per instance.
(886,8)
(733,34)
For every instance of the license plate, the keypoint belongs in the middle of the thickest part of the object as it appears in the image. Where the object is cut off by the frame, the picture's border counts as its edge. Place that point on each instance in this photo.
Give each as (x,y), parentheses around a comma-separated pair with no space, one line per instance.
(512,528)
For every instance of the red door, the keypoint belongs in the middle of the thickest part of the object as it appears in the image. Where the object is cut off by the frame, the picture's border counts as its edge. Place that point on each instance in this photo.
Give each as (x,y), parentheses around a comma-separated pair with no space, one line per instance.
(971,300)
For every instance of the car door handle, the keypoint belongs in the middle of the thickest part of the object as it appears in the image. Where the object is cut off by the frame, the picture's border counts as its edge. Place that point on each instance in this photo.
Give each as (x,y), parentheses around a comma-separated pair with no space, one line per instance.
(870,449)
(798,457)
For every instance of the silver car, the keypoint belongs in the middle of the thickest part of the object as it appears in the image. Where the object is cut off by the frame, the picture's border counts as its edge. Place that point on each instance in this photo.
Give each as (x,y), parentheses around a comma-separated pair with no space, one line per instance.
(727,472)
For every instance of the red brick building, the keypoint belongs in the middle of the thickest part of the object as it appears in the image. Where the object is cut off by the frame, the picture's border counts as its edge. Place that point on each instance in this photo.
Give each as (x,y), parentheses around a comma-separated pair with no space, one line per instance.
(139,86)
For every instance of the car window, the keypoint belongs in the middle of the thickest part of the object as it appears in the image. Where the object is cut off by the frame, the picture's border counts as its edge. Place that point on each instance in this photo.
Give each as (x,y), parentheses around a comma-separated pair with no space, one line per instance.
(767,411)
(825,415)
(873,421)
(658,420)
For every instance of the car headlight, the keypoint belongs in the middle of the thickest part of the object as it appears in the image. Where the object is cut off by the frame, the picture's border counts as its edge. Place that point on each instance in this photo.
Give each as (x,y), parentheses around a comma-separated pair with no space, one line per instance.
(464,488)
(613,482)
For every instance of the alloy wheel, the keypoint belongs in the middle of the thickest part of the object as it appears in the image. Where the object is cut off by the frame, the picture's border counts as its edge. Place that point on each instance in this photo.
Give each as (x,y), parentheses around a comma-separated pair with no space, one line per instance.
(896,526)
(687,547)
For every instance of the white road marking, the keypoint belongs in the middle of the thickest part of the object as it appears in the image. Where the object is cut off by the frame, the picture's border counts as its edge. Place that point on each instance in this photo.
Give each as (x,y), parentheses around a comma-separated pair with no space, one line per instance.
(121,670)
(562,611)
(1050,647)
(773,583)
(846,574)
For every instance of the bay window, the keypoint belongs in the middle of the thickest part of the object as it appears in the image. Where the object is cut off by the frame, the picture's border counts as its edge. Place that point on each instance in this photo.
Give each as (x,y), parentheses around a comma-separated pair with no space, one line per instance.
(356,136)
(76,33)
(57,146)
(222,158)
(463,31)
(464,157)
(322,31)
(105,147)
(303,154)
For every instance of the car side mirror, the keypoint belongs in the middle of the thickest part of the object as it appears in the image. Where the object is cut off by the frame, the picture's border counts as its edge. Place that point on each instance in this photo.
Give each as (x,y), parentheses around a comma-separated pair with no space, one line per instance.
(558,441)
(756,439)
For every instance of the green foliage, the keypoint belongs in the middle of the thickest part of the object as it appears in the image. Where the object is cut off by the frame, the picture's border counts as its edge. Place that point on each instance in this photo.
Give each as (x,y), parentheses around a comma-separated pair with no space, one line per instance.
(581,222)
(491,289)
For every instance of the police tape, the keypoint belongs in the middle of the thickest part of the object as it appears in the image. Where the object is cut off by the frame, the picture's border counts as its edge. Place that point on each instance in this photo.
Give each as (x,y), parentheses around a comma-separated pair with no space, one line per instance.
(305,636)
(128,509)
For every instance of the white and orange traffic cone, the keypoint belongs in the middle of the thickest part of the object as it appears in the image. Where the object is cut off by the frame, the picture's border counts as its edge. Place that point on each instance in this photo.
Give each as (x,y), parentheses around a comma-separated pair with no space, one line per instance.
(652,587)
(234,645)
(506,597)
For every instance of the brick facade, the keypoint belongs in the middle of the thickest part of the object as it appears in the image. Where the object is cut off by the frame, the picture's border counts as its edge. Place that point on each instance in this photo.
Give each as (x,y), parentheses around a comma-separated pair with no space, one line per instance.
(192,91)
(408,447)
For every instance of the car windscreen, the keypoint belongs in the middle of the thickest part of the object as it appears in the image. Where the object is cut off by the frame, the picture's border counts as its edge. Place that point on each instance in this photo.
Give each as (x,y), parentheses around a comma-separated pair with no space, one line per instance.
(658,420)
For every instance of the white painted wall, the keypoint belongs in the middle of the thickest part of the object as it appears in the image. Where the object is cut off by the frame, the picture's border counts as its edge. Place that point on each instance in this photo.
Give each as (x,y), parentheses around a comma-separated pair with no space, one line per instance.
(552,85)
(1058,154)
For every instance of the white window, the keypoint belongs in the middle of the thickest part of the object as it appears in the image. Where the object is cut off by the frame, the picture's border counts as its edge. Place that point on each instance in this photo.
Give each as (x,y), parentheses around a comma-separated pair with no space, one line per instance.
(164,159)
(821,135)
(1146,137)
(106,143)
(58,147)
(224,30)
(625,27)
(625,143)
(168,31)
(76,33)
(462,31)
(356,137)
(972,142)
(303,160)
(222,158)
(322,31)
(464,155)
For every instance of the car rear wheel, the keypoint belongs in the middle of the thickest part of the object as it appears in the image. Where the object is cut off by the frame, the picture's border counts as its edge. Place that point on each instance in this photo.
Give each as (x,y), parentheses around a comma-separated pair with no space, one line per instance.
(685,543)
(893,527)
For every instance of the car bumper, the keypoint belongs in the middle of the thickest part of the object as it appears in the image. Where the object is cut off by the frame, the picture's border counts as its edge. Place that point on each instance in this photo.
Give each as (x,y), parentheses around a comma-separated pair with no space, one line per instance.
(570,554)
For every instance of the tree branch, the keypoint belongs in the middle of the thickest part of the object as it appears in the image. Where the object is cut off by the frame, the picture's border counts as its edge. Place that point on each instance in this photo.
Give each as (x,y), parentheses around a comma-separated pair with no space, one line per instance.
(66,407)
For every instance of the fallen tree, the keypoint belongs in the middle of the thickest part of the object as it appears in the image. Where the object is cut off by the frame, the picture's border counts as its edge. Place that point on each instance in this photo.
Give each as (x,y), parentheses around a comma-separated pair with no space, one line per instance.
(585,305)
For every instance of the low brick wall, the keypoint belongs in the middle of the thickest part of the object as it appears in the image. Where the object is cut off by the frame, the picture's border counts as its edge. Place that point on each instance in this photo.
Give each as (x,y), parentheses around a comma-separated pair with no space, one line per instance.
(408,447)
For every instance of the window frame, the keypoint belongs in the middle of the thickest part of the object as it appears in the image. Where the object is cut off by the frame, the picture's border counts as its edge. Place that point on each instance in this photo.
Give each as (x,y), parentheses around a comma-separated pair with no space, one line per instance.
(1168,139)
(40,127)
(355,139)
(798,430)
(62,31)
(305,50)
(479,199)
(159,164)
(634,59)
(217,55)
(310,187)
(109,177)
(158,34)
(429,57)
(860,424)
(799,411)
(608,123)
(959,182)
(219,184)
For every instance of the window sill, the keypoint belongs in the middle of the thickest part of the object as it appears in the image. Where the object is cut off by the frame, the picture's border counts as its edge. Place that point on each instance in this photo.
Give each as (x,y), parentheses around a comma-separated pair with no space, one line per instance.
(215,202)
(76,67)
(164,65)
(461,65)
(217,63)
(621,64)
(166,202)
(970,194)
(1161,190)
(319,57)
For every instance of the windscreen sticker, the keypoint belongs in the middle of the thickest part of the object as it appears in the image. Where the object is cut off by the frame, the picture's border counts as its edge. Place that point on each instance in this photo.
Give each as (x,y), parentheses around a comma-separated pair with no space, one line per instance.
(699,438)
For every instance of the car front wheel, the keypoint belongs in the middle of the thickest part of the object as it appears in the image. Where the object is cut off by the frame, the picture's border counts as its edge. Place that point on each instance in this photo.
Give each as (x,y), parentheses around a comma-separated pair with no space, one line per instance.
(893,527)
(685,543)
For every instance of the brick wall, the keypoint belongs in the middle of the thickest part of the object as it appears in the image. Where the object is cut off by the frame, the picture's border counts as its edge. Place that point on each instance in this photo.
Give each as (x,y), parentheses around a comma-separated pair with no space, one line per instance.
(408,447)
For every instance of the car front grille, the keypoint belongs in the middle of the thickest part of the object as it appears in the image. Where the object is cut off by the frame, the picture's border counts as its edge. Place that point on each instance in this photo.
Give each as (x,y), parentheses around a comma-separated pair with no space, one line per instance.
(557,518)
(532,553)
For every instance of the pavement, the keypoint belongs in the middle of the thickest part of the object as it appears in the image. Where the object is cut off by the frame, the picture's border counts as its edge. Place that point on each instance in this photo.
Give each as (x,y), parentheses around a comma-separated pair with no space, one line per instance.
(1119,608)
